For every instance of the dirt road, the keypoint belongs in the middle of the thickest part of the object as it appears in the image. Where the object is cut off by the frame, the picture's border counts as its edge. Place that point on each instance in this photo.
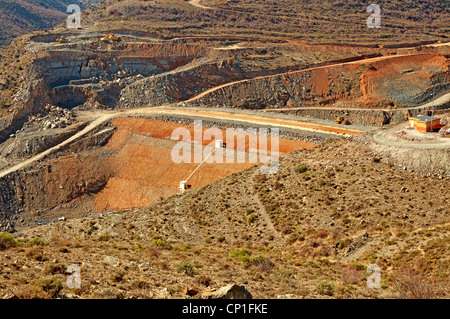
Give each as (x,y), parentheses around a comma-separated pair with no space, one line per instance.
(380,138)
(31,160)
(98,118)
(363,61)
(197,4)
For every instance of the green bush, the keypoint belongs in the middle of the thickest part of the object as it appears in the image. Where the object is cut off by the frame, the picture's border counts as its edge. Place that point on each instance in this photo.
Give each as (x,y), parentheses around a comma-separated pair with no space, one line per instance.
(7,240)
(251,218)
(36,242)
(240,253)
(52,286)
(261,261)
(140,284)
(300,168)
(325,288)
(187,268)
(104,237)
(93,227)
(343,243)
(284,273)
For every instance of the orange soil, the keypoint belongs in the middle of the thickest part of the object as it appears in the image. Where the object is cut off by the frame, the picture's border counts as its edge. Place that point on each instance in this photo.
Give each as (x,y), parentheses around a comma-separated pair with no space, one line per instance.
(144,170)
(406,73)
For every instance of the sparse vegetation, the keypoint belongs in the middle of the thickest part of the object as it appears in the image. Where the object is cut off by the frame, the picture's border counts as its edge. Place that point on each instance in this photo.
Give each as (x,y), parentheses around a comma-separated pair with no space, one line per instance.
(7,241)
(187,268)
(51,285)
(307,231)
(325,288)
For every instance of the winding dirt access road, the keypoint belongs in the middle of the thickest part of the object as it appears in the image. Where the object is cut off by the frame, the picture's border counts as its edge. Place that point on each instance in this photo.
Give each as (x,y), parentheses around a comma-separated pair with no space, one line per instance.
(362,61)
(196,3)
(98,118)
(380,138)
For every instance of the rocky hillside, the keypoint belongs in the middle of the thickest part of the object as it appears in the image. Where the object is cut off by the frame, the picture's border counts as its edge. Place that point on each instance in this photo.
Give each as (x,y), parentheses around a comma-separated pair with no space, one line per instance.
(18,17)
(317,21)
(309,231)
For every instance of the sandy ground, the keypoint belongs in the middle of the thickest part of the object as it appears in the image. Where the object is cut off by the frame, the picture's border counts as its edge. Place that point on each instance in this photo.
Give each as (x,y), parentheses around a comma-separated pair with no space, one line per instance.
(145,171)
(197,4)
(386,138)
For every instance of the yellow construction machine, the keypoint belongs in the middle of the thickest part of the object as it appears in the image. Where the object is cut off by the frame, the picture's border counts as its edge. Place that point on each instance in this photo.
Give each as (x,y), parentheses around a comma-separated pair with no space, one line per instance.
(341,120)
(62,40)
(110,38)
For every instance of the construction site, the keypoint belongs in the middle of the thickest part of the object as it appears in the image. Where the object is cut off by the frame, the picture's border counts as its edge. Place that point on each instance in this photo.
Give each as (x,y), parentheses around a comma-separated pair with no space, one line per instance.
(87,142)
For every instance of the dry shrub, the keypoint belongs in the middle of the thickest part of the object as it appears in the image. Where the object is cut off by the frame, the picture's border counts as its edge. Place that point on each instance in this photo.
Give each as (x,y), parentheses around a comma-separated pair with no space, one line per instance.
(6,241)
(351,275)
(139,284)
(410,284)
(63,243)
(32,292)
(323,233)
(118,276)
(262,262)
(36,254)
(204,280)
(277,184)
(153,252)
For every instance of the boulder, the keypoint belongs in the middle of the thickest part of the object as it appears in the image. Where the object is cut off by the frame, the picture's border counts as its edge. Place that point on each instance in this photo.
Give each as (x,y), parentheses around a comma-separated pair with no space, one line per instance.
(228,292)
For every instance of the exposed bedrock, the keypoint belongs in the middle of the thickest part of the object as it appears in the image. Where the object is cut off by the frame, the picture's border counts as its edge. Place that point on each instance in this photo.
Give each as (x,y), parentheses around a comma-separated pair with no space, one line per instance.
(71,76)
(60,180)
(178,86)
(397,82)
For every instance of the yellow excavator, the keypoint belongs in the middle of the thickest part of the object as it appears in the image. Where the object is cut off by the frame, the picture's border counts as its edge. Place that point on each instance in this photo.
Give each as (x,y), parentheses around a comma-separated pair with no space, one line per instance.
(110,38)
(62,40)
(341,120)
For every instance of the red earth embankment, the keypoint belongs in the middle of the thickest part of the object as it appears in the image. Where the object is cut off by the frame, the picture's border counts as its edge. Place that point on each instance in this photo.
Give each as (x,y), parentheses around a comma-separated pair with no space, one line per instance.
(144,169)
(403,80)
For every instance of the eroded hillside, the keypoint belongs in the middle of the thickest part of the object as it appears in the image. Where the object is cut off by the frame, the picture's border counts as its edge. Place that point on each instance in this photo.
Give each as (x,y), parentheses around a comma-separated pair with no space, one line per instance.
(320,221)
(88,129)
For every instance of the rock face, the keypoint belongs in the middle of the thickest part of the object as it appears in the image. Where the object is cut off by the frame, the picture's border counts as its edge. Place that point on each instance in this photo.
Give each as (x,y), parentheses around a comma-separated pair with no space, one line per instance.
(33,189)
(361,85)
(178,86)
(228,292)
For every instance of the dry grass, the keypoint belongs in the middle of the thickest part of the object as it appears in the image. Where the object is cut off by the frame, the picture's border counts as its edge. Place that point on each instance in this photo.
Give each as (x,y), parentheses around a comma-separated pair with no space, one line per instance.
(204,238)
